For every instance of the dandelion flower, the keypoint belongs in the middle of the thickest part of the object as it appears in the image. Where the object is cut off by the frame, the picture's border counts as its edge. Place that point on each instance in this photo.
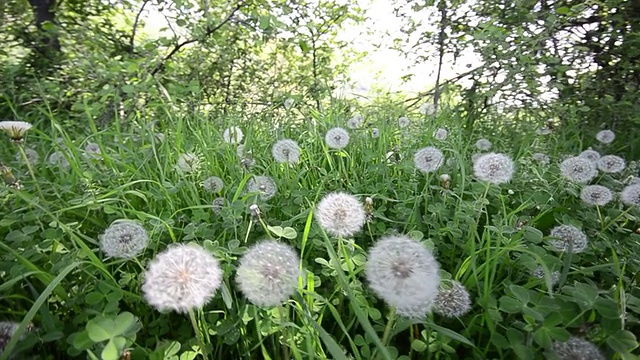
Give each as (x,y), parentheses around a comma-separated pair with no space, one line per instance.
(634,180)
(188,163)
(15,129)
(355,122)
(340,214)
(403,122)
(337,138)
(123,239)
(541,158)
(590,155)
(494,168)
(568,237)
(7,330)
(578,169)
(213,184)
(32,155)
(428,159)
(58,158)
(233,135)
(268,273)
(286,151)
(483,144)
(630,195)
(93,151)
(441,134)
(538,273)
(427,109)
(452,300)
(577,348)
(596,195)
(605,136)
(403,273)
(288,104)
(264,185)
(181,278)
(218,204)
(375,133)
(611,164)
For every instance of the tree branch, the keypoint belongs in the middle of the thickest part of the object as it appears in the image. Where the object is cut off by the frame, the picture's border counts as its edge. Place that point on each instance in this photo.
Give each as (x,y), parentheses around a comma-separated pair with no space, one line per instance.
(209,31)
(135,26)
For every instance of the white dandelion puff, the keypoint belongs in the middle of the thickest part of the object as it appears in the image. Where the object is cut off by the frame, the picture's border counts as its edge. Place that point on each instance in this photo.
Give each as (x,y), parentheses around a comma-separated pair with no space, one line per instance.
(543,159)
(340,214)
(213,184)
(288,104)
(578,169)
(355,122)
(58,158)
(403,122)
(31,154)
(590,155)
(233,135)
(441,134)
(494,168)
(543,131)
(123,239)
(403,273)
(453,300)
(375,133)
(286,151)
(538,273)
(630,195)
(218,204)
(597,195)
(568,238)
(181,278)
(605,136)
(337,138)
(268,273)
(15,129)
(263,185)
(483,144)
(427,109)
(577,349)
(188,163)
(611,164)
(93,151)
(428,159)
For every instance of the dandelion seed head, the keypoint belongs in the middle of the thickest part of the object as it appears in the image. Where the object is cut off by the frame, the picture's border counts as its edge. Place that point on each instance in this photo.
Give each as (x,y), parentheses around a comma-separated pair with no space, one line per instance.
(355,122)
(427,109)
(375,133)
(605,136)
(403,122)
(32,155)
(340,214)
(611,164)
(268,273)
(597,195)
(264,185)
(213,184)
(577,349)
(579,170)
(494,168)
(58,158)
(630,195)
(568,236)
(483,144)
(441,134)
(452,300)
(188,163)
(123,239)
(538,273)
(590,155)
(403,273)
(218,204)
(337,138)
(286,151)
(428,159)
(93,151)
(288,104)
(541,158)
(181,278)
(543,131)
(233,135)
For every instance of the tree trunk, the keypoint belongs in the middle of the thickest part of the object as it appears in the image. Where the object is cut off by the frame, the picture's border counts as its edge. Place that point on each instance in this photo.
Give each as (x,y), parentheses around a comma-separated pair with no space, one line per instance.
(48,43)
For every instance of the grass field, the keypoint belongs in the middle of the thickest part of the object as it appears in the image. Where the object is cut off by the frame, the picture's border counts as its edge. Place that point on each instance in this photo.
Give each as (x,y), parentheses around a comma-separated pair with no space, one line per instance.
(366,250)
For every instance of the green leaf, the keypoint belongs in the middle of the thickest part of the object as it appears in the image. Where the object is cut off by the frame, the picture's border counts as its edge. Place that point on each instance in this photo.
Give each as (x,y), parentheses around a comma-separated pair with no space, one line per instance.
(510,305)
(99,330)
(562,10)
(226,295)
(450,334)
(418,345)
(110,351)
(276,230)
(623,342)
(123,322)
(520,293)
(289,233)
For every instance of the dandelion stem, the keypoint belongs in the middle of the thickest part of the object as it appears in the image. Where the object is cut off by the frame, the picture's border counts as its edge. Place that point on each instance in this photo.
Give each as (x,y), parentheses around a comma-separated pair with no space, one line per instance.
(283,328)
(31,173)
(199,335)
(387,330)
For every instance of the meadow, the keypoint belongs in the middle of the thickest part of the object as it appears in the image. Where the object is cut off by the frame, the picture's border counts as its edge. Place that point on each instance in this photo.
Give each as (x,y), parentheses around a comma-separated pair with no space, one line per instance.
(373,233)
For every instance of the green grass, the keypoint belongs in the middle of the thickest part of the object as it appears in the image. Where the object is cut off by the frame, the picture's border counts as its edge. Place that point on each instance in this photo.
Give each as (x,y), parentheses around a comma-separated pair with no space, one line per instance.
(488,237)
